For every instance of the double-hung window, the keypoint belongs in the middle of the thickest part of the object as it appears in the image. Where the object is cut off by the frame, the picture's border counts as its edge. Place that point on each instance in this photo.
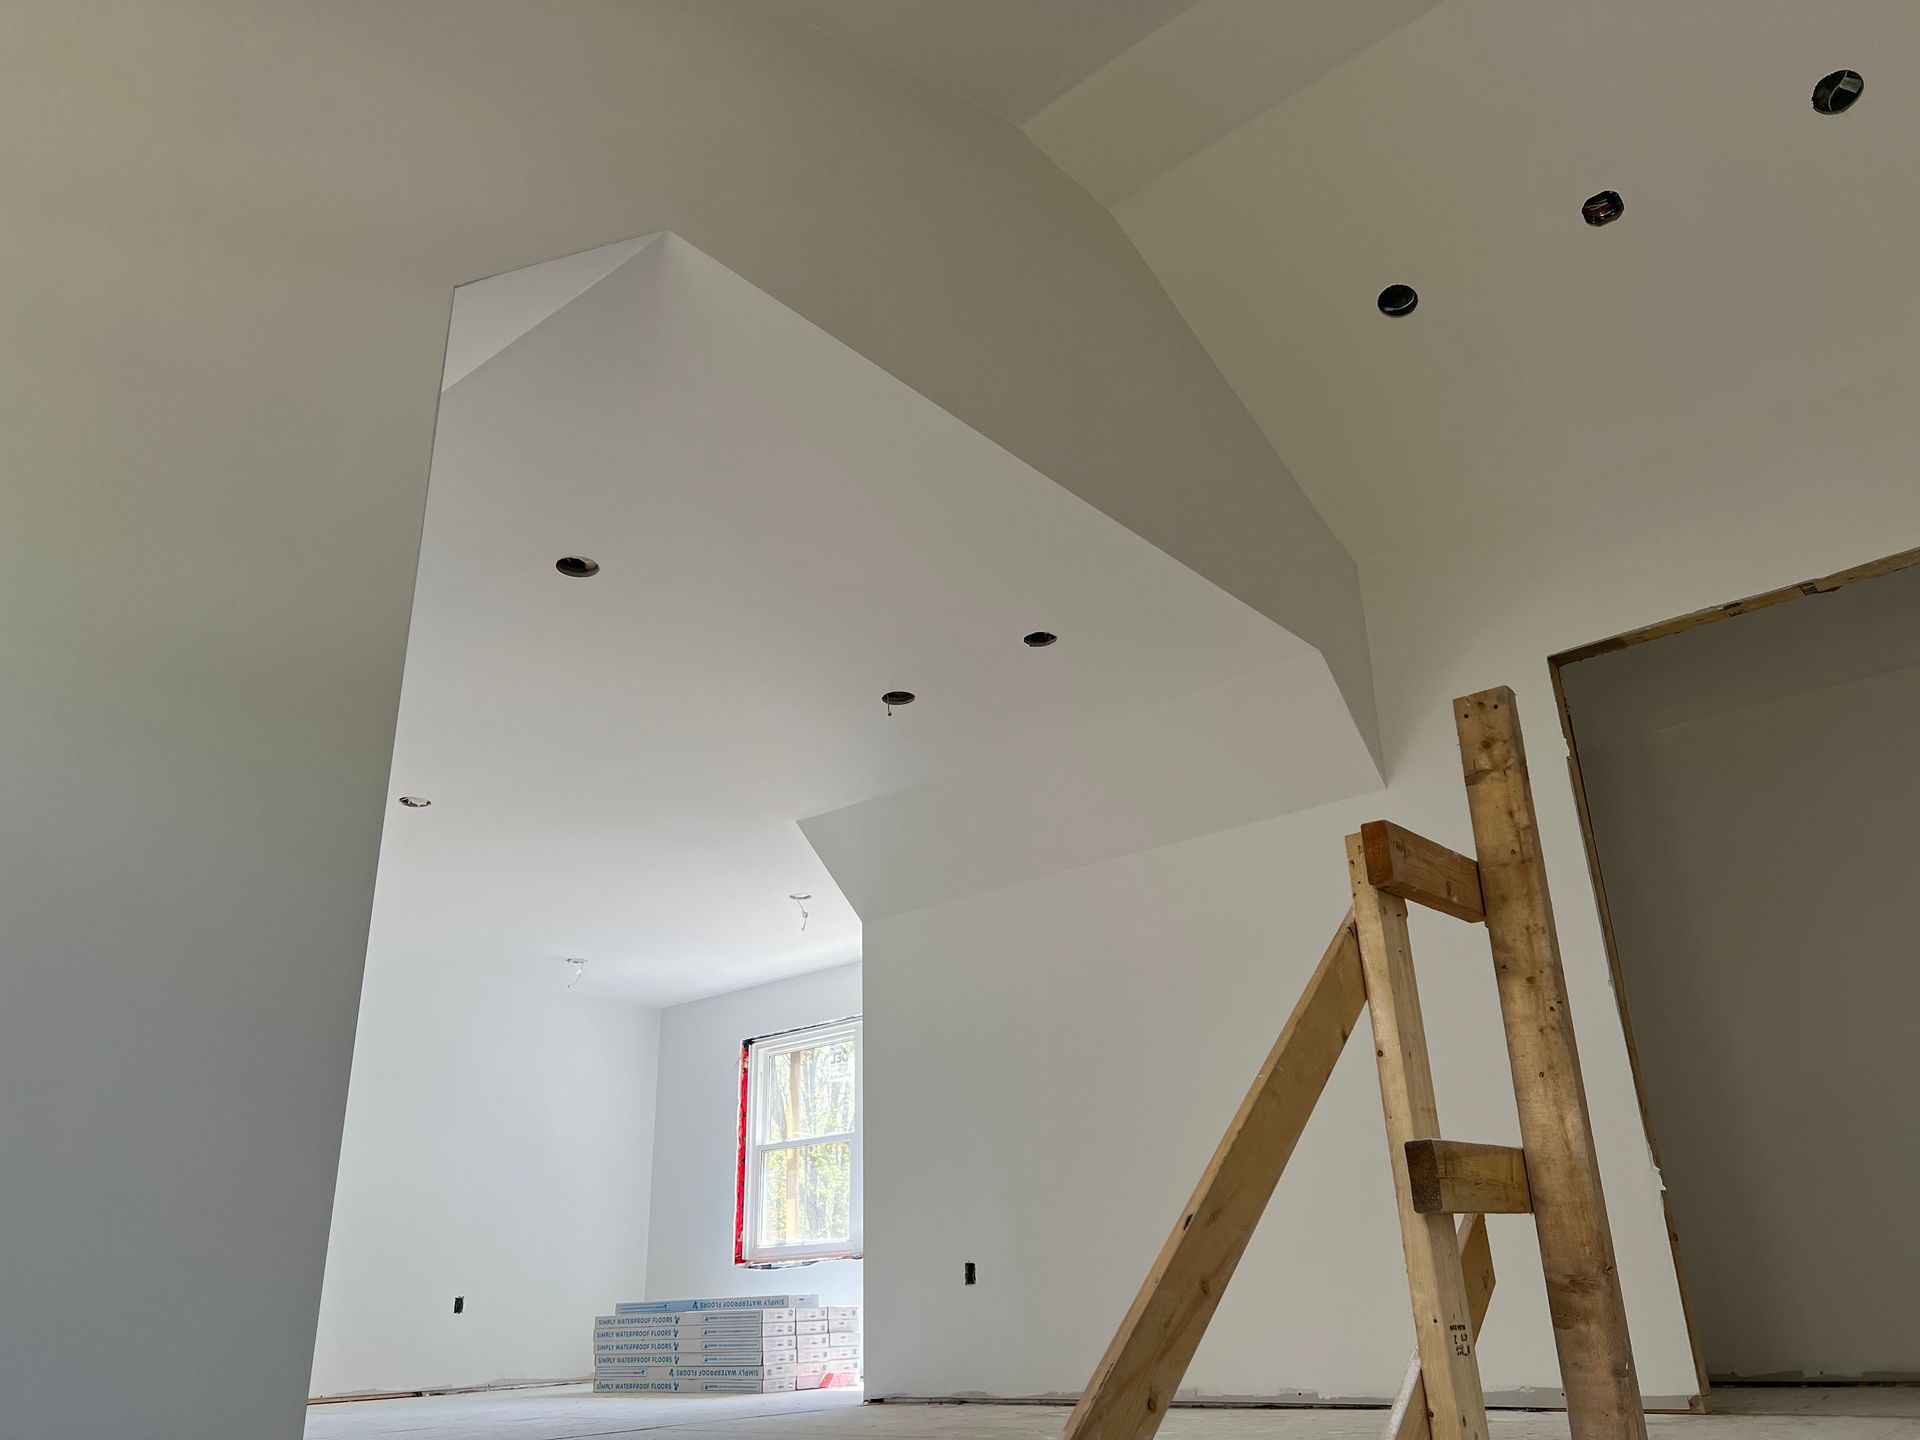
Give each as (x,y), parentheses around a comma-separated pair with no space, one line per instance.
(800,1146)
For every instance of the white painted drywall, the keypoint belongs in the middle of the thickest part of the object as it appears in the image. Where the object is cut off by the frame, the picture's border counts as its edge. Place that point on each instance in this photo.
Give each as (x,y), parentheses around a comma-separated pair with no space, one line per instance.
(1219,756)
(1081,1040)
(690,1245)
(498,1145)
(234,232)
(785,532)
(1752,786)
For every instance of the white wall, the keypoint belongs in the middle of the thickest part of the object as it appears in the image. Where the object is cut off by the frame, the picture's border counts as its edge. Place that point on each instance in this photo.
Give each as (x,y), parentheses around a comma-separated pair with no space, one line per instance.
(235,230)
(499,1146)
(1752,787)
(1063,1054)
(690,1246)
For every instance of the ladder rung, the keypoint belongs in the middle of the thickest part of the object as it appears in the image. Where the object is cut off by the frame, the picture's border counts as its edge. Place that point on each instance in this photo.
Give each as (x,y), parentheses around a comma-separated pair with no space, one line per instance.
(1421,870)
(1457,1177)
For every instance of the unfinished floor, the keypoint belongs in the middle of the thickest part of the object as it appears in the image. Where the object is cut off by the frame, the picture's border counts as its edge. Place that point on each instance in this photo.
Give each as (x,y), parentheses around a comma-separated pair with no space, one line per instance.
(570,1412)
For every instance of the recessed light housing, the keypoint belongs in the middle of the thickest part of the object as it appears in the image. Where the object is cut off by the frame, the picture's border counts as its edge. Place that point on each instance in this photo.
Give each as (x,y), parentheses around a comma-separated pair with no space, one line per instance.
(1039,639)
(577,567)
(415,802)
(1397,300)
(893,699)
(1837,92)
(1604,208)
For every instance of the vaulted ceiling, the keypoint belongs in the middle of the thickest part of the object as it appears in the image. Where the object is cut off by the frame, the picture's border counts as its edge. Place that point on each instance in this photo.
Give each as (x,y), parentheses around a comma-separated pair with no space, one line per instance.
(1008,56)
(620,766)
(1280,163)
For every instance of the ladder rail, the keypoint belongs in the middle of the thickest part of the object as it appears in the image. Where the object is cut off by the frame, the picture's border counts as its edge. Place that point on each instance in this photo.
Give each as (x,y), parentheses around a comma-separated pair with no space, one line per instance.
(1436,1283)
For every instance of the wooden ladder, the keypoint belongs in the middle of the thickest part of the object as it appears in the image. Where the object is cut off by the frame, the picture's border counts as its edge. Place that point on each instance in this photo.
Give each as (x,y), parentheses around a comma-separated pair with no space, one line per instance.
(1554,1175)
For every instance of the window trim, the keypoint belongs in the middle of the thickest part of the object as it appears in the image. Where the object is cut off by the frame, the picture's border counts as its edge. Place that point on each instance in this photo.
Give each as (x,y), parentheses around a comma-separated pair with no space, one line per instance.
(755,1053)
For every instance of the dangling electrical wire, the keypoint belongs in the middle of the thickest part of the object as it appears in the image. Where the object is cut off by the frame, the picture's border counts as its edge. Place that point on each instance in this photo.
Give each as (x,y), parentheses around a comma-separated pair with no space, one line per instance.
(801,901)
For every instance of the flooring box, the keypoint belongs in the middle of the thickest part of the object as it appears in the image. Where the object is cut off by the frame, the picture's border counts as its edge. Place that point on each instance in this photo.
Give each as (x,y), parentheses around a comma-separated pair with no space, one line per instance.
(721,1303)
(671,1352)
(715,1319)
(694,1333)
(640,1370)
(617,1385)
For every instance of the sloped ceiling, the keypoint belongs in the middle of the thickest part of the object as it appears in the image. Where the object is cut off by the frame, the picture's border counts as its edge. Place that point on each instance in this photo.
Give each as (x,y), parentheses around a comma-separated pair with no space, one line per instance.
(1008,56)
(1764,255)
(495,312)
(1203,74)
(619,767)
(1280,162)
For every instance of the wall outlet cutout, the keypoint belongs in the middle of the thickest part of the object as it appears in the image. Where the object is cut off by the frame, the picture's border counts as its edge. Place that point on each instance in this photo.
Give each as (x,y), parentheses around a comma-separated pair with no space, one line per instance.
(459,1304)
(969,1274)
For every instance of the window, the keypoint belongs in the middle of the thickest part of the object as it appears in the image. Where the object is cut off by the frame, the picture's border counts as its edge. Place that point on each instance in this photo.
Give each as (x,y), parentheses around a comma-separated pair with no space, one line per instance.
(799,1182)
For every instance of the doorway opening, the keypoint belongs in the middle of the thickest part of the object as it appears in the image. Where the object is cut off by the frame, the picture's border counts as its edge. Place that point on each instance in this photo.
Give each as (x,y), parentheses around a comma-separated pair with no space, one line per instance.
(1746,791)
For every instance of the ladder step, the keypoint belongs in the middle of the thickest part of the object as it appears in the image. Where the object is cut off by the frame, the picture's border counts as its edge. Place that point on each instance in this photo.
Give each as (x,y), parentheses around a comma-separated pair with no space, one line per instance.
(1457,1177)
(1421,870)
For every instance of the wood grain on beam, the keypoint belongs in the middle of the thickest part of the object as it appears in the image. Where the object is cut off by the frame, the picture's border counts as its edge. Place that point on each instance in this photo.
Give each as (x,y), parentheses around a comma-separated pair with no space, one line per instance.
(1563,1168)
(1457,1410)
(1421,870)
(1141,1371)
(1409,1420)
(1457,1177)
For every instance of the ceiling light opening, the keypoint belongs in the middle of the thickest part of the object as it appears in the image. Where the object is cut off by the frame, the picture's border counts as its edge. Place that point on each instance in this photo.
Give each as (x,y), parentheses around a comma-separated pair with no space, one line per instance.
(1398,300)
(893,699)
(415,802)
(1039,639)
(1837,92)
(1604,208)
(577,567)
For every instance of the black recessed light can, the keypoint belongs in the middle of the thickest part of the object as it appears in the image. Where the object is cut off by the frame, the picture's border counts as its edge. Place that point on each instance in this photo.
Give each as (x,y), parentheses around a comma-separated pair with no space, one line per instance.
(1838,91)
(415,802)
(577,567)
(897,697)
(1039,639)
(1604,208)
(1398,300)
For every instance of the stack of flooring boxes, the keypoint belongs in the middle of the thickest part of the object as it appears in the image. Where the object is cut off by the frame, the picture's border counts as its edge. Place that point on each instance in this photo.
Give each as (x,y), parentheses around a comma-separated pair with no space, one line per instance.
(749,1344)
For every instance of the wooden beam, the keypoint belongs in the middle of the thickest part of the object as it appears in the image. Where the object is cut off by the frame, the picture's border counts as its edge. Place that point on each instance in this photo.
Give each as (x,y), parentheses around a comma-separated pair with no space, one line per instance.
(1563,1168)
(1408,1418)
(1825,585)
(1421,870)
(1141,1371)
(1457,1177)
(1443,1329)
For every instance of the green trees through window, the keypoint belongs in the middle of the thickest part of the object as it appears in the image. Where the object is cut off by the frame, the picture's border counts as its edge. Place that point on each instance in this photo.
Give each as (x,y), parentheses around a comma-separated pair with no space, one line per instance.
(803,1142)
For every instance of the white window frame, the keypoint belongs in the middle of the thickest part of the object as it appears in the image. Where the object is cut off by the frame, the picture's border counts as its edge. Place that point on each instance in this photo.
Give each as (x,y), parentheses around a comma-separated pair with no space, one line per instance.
(762,1053)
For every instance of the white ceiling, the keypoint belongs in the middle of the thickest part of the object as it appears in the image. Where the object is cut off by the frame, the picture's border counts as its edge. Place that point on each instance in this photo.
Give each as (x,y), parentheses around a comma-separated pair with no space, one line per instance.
(1008,56)
(1205,73)
(618,765)
(1765,256)
(1279,162)
(495,312)
(722,684)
